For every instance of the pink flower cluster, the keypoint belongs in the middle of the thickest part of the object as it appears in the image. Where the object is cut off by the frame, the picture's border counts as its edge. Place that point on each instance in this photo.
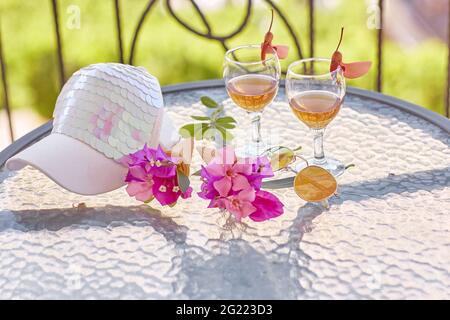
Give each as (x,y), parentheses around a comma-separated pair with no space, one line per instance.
(153,174)
(235,185)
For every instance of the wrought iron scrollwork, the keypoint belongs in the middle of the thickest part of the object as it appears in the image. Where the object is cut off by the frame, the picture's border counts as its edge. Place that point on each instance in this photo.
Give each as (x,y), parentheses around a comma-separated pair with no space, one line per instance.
(146,11)
(62,76)
(119,30)
(209,34)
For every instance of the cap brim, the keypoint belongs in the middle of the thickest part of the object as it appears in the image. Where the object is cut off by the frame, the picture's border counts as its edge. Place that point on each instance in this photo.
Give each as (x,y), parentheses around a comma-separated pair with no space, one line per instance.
(72,164)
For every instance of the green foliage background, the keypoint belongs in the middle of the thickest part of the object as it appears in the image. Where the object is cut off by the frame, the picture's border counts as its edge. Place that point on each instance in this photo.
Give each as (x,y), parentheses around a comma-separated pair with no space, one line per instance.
(174,55)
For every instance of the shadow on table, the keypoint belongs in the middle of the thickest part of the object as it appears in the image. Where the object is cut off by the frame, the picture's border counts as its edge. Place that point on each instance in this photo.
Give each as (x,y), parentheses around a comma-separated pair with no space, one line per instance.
(238,271)
(303,222)
(247,269)
(427,180)
(106,217)
(241,270)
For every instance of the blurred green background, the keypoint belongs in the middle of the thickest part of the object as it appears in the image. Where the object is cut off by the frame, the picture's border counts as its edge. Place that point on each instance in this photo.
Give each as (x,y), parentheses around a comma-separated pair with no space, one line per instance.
(173,54)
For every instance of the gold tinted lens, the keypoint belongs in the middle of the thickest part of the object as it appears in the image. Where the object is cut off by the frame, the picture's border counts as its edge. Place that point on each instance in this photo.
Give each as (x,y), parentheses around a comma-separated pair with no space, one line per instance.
(281,158)
(314,184)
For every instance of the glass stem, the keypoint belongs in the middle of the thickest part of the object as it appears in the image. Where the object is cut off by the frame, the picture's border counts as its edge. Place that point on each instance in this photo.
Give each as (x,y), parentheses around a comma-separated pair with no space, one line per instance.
(256,123)
(319,156)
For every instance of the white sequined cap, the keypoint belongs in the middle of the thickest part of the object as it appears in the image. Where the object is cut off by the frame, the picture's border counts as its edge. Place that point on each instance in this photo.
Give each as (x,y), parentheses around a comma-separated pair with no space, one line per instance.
(104,112)
(114,108)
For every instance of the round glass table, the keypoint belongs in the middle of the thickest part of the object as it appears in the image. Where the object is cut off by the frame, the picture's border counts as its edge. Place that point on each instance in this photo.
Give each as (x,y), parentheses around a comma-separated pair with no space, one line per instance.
(385,235)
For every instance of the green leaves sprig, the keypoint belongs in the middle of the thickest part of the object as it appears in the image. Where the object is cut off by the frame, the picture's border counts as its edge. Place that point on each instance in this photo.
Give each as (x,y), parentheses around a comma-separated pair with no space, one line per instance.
(209,126)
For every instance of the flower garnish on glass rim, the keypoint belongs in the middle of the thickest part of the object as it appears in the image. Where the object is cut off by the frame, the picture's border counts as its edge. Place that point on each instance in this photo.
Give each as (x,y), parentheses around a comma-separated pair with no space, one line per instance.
(268,48)
(234,185)
(155,174)
(351,70)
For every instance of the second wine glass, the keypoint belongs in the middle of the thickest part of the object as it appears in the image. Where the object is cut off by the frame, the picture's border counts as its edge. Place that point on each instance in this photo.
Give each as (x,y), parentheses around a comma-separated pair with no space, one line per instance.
(252,84)
(315,96)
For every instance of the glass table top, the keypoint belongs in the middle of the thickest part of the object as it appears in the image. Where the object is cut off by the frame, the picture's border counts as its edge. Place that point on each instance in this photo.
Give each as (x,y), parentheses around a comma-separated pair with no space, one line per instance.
(386,235)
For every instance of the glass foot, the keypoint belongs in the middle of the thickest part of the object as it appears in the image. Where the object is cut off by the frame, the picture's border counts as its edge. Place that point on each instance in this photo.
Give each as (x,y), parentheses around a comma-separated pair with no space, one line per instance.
(335,167)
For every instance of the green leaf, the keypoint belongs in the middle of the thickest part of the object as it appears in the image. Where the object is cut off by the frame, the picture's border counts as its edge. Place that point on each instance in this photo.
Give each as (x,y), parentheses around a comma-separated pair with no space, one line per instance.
(227,136)
(226,120)
(187,130)
(183,181)
(297,149)
(200,118)
(197,173)
(209,102)
(226,125)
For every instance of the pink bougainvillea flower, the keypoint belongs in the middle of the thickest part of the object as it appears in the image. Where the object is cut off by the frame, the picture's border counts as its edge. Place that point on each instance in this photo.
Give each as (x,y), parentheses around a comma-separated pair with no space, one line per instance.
(162,165)
(167,191)
(156,161)
(267,206)
(139,184)
(139,157)
(234,185)
(153,174)
(261,169)
(207,188)
(240,205)
(231,172)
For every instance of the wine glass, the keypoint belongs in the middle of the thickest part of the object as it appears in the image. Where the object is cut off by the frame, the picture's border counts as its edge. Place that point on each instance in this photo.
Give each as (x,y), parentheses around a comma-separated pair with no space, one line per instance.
(315,96)
(252,84)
